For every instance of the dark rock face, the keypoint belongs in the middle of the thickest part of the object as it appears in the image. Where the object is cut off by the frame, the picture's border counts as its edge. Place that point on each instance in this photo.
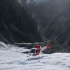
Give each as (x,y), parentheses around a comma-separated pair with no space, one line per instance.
(16,25)
(53,17)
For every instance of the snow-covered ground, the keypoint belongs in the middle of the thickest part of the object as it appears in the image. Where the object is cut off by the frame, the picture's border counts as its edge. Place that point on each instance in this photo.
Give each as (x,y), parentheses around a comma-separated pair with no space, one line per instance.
(12,58)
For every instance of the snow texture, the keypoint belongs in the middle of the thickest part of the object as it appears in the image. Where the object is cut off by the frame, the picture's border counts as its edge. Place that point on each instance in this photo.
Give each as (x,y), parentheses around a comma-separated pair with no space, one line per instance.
(12,58)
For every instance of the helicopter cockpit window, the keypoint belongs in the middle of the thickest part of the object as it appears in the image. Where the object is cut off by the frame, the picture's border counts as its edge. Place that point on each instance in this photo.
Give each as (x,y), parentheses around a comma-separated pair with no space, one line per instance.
(32,51)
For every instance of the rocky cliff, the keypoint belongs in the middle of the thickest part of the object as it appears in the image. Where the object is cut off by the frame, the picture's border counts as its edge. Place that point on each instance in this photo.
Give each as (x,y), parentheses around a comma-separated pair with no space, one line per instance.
(16,25)
(53,18)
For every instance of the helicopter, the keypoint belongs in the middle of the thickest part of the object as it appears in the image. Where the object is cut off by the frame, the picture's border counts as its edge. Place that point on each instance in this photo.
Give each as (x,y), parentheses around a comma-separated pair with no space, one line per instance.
(38,48)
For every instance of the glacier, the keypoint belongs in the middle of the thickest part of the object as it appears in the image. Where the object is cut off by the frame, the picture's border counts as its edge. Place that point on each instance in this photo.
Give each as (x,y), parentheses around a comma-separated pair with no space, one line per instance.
(12,58)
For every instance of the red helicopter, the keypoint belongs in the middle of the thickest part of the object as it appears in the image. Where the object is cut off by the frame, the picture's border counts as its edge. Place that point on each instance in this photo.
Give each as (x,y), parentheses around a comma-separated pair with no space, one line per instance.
(37,49)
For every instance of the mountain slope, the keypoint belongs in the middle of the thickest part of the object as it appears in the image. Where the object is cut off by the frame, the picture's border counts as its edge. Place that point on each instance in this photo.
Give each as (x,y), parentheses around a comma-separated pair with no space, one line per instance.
(53,18)
(15,23)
